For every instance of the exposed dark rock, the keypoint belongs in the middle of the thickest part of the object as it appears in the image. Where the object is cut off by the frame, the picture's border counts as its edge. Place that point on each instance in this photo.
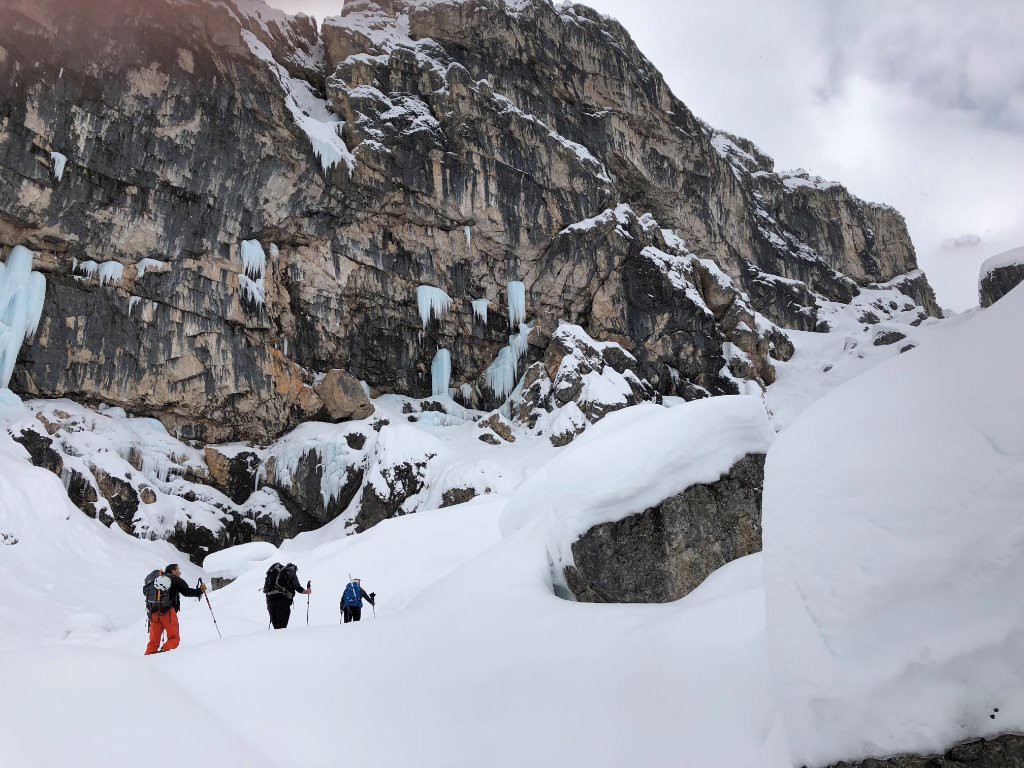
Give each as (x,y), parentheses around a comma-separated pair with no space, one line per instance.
(663,553)
(122,498)
(888,337)
(234,474)
(454,496)
(40,450)
(1006,751)
(999,282)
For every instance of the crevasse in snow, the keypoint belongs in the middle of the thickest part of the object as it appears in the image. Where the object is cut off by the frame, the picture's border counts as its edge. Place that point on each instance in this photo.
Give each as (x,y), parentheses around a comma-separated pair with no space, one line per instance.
(480,309)
(254,260)
(501,375)
(22,293)
(432,302)
(516,303)
(59,161)
(440,373)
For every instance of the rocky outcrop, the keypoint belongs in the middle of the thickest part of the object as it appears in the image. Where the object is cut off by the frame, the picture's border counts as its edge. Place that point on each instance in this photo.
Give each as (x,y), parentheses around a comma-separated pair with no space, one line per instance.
(1006,751)
(663,553)
(214,245)
(343,396)
(1000,275)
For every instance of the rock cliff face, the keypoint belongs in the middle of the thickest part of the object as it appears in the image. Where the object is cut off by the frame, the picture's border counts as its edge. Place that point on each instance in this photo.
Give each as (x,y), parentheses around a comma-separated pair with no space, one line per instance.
(229,204)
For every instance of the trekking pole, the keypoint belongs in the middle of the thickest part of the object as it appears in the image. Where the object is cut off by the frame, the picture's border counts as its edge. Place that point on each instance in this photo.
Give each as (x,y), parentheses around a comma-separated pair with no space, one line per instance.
(309,585)
(211,612)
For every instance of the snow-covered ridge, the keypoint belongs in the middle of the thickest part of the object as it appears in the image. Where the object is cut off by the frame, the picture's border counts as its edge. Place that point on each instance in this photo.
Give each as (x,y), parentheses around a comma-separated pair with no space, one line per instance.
(799,177)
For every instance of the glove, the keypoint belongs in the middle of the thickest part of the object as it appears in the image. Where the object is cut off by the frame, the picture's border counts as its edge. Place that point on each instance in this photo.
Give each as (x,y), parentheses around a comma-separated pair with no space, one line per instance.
(372,598)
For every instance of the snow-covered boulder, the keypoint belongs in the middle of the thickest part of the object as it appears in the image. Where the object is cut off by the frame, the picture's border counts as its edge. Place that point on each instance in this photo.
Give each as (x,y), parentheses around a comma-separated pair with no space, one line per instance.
(999,275)
(629,464)
(666,551)
(894,551)
(227,565)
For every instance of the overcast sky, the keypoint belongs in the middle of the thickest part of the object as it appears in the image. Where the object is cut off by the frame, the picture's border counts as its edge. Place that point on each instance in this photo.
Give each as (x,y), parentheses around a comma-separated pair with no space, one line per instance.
(916,104)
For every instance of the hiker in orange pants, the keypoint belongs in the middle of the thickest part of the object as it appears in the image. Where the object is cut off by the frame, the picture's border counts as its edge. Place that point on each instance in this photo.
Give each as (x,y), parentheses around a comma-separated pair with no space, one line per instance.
(166,620)
(160,623)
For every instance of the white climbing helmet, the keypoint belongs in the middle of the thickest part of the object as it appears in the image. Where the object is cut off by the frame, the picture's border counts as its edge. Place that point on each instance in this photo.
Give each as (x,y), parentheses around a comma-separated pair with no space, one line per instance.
(163,583)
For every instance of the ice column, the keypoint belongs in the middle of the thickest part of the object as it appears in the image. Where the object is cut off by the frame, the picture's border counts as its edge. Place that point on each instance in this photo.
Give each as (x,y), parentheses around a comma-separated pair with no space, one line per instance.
(22,293)
(440,373)
(516,303)
(501,375)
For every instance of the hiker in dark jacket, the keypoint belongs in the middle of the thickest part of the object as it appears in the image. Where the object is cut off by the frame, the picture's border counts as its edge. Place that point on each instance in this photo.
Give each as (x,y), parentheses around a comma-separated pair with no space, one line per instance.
(281,595)
(166,621)
(352,601)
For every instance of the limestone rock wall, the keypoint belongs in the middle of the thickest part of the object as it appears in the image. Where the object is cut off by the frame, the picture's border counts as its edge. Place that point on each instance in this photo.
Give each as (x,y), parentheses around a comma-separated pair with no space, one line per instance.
(463,146)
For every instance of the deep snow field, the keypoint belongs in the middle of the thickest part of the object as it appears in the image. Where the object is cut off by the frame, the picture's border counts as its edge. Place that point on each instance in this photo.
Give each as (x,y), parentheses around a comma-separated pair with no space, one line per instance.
(894,554)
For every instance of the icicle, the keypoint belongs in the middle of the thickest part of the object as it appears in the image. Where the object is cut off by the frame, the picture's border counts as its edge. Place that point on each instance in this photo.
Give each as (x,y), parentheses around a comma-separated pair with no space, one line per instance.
(440,373)
(274,251)
(254,260)
(111,272)
(469,236)
(146,264)
(59,161)
(22,293)
(516,303)
(480,309)
(432,302)
(252,290)
(88,268)
(132,301)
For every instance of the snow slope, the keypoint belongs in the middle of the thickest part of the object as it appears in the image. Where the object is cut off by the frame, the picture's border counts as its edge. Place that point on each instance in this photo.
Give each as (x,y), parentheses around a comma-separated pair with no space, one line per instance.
(484,667)
(894,550)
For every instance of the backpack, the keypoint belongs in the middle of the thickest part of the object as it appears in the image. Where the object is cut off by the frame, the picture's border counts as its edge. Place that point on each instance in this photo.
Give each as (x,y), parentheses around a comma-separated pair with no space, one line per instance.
(157,591)
(277,579)
(352,596)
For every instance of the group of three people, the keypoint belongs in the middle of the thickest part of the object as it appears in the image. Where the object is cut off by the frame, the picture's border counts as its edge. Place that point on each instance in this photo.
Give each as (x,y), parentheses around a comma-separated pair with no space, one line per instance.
(280,588)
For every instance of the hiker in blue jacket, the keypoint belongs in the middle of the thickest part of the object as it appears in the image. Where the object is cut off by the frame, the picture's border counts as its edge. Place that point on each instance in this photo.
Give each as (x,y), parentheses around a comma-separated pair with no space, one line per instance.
(352,601)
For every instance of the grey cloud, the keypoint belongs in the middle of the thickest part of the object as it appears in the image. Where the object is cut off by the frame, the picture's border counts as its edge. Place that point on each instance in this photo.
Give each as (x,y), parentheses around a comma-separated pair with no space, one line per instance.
(961,241)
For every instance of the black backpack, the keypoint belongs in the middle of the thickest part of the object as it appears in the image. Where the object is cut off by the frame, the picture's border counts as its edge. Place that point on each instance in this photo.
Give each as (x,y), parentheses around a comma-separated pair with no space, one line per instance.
(157,593)
(277,579)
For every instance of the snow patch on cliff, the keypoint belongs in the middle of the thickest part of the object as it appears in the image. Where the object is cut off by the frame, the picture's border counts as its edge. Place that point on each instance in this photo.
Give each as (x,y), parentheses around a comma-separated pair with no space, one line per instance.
(311,113)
